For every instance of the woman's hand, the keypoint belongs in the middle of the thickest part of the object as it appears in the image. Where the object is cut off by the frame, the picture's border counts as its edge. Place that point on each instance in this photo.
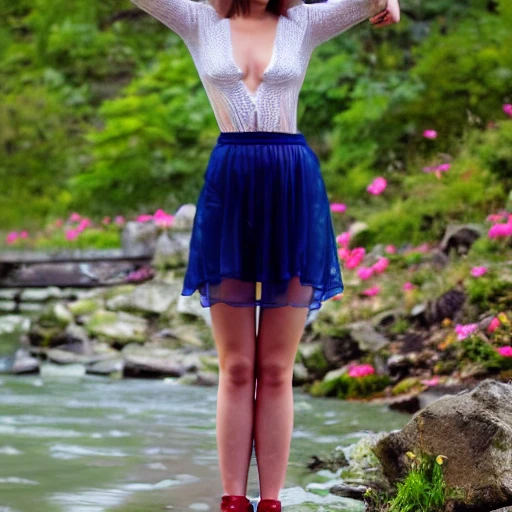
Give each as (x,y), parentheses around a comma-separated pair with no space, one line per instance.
(391,14)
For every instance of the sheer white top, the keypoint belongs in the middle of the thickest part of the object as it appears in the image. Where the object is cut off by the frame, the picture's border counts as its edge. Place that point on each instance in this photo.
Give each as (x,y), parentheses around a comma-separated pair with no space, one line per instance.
(274,105)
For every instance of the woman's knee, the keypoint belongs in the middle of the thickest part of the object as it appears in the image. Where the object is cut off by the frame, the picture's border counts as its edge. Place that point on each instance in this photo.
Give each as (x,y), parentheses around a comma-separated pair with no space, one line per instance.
(274,374)
(238,372)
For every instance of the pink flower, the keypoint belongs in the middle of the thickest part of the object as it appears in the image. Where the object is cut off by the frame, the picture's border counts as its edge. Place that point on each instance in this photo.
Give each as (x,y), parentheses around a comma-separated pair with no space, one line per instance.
(355,257)
(162,219)
(390,249)
(430,134)
(408,286)
(75,217)
(23,234)
(377,186)
(424,248)
(381,265)
(434,381)
(478,271)
(106,220)
(119,220)
(59,222)
(507,108)
(343,238)
(495,323)
(365,273)
(11,237)
(338,207)
(370,292)
(343,253)
(495,217)
(71,234)
(84,223)
(361,370)
(437,168)
(463,331)
(505,351)
(144,218)
(500,230)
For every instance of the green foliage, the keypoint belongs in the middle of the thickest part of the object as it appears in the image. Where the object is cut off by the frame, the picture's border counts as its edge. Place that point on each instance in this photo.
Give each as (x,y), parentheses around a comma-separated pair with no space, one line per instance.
(344,387)
(423,490)
(476,350)
(489,290)
(406,385)
(103,111)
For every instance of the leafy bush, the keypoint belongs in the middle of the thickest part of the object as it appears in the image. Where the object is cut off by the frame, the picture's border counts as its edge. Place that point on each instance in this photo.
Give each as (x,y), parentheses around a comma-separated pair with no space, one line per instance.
(351,387)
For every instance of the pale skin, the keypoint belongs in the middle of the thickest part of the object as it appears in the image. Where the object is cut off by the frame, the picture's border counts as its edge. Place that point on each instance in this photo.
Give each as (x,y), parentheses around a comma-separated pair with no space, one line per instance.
(262,359)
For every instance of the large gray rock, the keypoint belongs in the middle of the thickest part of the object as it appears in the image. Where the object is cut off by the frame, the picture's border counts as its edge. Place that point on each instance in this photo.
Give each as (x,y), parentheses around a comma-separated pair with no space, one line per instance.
(473,429)
(460,237)
(24,362)
(152,367)
(368,339)
(313,357)
(171,250)
(190,305)
(184,217)
(10,324)
(149,297)
(117,327)
(139,238)
(40,294)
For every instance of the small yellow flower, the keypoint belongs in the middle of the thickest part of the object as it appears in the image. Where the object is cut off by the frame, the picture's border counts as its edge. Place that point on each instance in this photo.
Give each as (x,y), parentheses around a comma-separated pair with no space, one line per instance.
(411,455)
(439,459)
(446,322)
(503,318)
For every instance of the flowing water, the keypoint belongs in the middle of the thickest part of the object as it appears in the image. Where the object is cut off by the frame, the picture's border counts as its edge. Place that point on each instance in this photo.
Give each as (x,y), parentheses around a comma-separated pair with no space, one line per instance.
(98,445)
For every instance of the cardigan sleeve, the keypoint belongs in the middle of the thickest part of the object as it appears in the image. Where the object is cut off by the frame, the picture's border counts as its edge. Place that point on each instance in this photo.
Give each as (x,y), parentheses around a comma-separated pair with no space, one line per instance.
(331,18)
(181,16)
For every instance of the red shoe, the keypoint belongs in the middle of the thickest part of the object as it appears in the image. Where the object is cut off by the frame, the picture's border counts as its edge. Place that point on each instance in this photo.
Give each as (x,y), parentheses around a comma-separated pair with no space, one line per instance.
(235,504)
(269,506)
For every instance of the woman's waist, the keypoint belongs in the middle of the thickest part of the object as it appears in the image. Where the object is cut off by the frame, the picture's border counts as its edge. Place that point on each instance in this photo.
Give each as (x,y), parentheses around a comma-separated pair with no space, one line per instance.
(261,137)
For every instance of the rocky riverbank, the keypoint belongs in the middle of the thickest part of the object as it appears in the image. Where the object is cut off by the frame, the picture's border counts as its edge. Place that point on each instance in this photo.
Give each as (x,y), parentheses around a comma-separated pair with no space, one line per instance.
(441,321)
(454,455)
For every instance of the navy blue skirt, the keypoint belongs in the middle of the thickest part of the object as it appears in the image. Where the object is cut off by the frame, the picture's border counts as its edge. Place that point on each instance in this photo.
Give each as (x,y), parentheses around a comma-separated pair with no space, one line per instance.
(263,233)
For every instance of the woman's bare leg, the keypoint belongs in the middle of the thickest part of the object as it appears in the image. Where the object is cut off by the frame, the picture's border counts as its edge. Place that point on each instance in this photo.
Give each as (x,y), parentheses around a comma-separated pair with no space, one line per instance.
(234,331)
(280,330)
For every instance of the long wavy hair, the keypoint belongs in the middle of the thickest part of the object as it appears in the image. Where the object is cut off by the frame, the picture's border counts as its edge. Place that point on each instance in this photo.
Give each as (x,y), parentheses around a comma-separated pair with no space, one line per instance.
(243,7)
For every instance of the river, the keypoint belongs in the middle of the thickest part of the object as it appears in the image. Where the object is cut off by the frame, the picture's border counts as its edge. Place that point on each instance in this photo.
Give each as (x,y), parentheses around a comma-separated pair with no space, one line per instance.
(99,445)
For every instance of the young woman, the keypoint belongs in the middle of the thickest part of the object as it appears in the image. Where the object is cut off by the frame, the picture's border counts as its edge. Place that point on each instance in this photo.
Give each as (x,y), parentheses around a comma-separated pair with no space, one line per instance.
(262,233)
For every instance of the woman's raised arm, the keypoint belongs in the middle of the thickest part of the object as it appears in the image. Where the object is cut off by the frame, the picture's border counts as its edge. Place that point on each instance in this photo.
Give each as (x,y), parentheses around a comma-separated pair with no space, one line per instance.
(328,19)
(181,16)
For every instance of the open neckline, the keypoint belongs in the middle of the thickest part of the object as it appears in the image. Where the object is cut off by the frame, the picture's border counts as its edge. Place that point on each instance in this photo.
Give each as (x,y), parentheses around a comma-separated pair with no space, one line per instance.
(254,95)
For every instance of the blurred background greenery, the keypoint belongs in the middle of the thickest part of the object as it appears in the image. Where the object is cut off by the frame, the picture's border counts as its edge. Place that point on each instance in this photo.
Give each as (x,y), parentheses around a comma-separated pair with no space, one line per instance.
(102,112)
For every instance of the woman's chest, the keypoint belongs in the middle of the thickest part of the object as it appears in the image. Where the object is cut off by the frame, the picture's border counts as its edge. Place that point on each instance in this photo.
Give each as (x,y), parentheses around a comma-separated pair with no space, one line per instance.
(285,63)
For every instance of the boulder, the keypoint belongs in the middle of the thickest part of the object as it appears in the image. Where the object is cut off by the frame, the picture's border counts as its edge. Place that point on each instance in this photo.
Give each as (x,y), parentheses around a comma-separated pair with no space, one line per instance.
(172,250)
(40,294)
(149,297)
(473,429)
(190,305)
(184,217)
(10,324)
(24,363)
(139,238)
(460,237)
(107,367)
(85,306)
(313,357)
(117,327)
(152,367)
